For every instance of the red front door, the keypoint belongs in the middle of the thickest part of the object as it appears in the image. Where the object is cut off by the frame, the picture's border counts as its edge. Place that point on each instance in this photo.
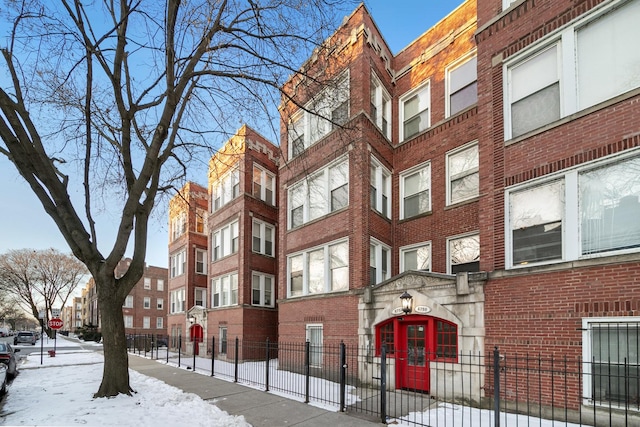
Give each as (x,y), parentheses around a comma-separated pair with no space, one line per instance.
(196,337)
(413,358)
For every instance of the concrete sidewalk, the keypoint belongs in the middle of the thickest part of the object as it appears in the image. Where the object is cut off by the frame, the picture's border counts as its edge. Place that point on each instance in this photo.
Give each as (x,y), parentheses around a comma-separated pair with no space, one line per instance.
(258,407)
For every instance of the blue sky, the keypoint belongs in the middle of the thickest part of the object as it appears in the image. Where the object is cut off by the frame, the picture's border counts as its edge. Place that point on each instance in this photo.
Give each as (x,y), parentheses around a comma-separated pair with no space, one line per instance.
(24,224)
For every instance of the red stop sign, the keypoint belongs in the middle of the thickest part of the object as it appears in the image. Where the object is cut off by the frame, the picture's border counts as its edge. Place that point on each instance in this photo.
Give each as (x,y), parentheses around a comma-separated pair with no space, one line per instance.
(55,323)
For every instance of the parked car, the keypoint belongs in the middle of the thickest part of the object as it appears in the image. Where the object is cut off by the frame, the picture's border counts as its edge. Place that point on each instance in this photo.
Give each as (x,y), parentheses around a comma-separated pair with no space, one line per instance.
(3,379)
(27,337)
(8,359)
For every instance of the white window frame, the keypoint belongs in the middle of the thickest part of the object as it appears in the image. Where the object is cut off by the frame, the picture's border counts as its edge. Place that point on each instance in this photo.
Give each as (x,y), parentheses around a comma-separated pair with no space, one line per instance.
(451,69)
(413,248)
(201,223)
(326,273)
(225,287)
(146,303)
(587,345)
(128,321)
(146,322)
(226,239)
(381,182)
(423,89)
(453,239)
(160,285)
(159,322)
(177,263)
(178,225)
(128,302)
(260,283)
(147,283)
(261,228)
(201,261)
(202,298)
(571,237)
(160,303)
(466,173)
(316,348)
(265,179)
(565,41)
(177,301)
(380,106)
(301,194)
(226,188)
(426,166)
(376,251)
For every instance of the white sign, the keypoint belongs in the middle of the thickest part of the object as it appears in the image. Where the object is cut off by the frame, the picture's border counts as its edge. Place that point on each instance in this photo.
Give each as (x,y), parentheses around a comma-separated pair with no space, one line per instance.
(422,309)
(55,312)
(41,314)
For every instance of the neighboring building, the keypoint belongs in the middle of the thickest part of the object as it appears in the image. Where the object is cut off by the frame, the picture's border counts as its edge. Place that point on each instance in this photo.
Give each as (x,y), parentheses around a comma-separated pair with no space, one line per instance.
(188,262)
(71,315)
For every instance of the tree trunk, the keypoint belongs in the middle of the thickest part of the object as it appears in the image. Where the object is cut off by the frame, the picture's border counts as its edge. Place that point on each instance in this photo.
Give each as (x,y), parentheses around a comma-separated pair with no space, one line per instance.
(115,377)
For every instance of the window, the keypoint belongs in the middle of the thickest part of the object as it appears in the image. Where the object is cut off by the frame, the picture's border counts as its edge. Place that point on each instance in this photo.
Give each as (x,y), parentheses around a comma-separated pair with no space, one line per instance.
(262,289)
(200,296)
(379,262)
(177,263)
(128,321)
(200,221)
(583,212)
(178,225)
(314,337)
(464,254)
(160,285)
(224,290)
(463,178)
(159,323)
(319,270)
(611,365)
(225,241)
(446,340)
(415,188)
(160,303)
(146,303)
(222,346)
(201,261)
(128,301)
(225,189)
(578,67)
(147,283)
(327,111)
(386,336)
(415,257)
(414,112)
(380,106)
(263,237)
(462,85)
(322,193)
(380,188)
(177,302)
(146,322)
(264,184)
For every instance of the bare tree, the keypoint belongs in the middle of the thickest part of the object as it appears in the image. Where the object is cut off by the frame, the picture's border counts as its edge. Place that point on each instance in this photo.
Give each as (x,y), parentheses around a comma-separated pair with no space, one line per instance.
(120,98)
(40,280)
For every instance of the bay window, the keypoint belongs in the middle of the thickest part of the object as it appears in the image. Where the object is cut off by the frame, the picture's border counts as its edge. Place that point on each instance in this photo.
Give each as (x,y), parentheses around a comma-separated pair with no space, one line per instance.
(225,241)
(379,262)
(319,270)
(225,189)
(263,237)
(262,286)
(380,188)
(380,106)
(224,290)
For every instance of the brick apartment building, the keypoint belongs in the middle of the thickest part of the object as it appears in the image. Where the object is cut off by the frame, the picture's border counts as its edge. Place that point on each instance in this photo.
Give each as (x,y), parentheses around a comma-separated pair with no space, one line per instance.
(144,309)
(480,188)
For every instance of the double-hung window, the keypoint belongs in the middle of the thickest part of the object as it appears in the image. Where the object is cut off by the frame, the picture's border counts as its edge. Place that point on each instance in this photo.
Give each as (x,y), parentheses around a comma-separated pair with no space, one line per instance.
(177,262)
(263,238)
(575,68)
(178,225)
(146,302)
(463,178)
(380,188)
(200,297)
(296,135)
(380,106)
(160,303)
(225,241)
(147,283)
(159,322)
(416,257)
(146,322)
(584,212)
(262,286)
(464,253)
(415,188)
(319,270)
(201,261)
(201,214)
(224,290)
(264,184)
(177,301)
(128,302)
(379,262)
(462,84)
(414,112)
(225,189)
(314,337)
(320,194)
(128,321)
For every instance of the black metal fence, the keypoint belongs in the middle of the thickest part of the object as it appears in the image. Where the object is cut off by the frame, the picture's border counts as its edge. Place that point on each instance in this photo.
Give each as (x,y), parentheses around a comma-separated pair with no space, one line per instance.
(418,388)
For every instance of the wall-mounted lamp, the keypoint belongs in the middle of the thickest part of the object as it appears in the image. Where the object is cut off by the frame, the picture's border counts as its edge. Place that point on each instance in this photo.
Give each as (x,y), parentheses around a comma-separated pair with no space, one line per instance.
(192,320)
(407,302)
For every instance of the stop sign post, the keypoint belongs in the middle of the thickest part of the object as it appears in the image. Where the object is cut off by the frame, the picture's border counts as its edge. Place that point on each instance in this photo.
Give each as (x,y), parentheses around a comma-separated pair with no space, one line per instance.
(55,323)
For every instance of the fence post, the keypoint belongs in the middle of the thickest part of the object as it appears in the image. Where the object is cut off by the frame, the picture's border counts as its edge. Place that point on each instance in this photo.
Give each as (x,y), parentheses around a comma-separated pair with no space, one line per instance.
(343,374)
(307,369)
(266,374)
(235,379)
(496,386)
(168,345)
(383,384)
(179,348)
(195,344)
(213,352)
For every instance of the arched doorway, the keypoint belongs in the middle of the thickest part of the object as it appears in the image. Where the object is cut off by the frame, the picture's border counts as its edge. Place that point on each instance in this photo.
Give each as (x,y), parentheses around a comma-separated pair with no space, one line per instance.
(196,334)
(414,341)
